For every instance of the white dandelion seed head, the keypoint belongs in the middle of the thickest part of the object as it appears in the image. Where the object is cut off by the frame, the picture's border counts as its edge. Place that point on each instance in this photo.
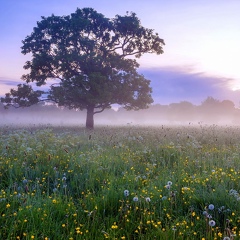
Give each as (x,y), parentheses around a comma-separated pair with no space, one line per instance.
(233,192)
(135,199)
(148,199)
(168,187)
(174,228)
(169,183)
(212,223)
(226,238)
(210,206)
(25,181)
(126,193)
(205,213)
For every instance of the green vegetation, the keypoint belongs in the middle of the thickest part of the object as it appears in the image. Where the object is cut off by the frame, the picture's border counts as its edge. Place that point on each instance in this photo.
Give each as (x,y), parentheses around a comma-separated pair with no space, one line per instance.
(120,183)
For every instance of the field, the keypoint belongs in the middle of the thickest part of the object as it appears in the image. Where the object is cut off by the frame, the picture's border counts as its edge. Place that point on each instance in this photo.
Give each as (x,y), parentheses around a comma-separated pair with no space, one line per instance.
(129,182)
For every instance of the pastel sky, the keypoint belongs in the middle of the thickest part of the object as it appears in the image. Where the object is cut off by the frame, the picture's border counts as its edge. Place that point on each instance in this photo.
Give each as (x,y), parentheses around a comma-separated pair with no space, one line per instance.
(201,57)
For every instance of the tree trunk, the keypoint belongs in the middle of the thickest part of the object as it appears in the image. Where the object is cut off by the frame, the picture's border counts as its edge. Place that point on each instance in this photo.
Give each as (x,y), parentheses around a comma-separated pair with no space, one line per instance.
(89,120)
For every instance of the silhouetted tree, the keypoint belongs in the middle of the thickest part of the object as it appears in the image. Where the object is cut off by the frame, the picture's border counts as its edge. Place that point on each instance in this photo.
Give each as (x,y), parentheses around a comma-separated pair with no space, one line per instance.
(89,56)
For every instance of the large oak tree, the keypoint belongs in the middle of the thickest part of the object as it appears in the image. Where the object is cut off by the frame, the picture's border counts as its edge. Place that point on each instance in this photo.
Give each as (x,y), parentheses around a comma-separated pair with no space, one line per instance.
(92,60)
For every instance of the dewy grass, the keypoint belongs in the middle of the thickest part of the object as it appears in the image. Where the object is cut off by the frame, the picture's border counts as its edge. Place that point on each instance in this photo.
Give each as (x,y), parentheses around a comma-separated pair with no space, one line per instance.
(120,183)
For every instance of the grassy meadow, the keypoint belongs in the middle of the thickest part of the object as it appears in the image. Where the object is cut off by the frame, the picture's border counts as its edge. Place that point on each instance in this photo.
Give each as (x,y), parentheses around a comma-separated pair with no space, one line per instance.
(128,182)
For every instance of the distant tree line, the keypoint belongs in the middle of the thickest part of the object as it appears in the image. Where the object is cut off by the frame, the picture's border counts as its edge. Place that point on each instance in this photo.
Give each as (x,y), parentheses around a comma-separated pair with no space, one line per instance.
(210,111)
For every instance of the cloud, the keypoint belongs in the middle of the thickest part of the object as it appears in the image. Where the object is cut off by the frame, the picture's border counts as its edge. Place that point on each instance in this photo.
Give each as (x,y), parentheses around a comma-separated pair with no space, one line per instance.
(7,84)
(174,84)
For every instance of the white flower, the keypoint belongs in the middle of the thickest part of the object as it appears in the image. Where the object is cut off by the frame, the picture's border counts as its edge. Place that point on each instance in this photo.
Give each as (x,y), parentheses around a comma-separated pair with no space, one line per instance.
(205,213)
(168,187)
(212,223)
(169,183)
(174,228)
(25,181)
(210,206)
(226,238)
(148,199)
(233,192)
(126,193)
(135,199)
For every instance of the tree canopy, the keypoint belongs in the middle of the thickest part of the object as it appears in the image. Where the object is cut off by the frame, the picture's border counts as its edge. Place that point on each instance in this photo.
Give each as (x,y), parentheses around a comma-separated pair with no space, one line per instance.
(92,61)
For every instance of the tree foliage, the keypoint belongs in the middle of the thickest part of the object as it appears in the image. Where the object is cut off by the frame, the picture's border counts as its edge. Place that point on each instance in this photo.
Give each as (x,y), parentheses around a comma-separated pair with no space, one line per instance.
(92,60)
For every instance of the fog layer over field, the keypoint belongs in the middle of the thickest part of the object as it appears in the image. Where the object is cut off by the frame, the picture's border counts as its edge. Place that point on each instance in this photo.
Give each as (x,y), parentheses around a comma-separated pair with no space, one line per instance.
(211,111)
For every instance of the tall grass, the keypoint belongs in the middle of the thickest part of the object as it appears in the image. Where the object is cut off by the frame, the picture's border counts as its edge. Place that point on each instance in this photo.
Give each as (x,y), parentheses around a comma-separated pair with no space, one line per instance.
(120,183)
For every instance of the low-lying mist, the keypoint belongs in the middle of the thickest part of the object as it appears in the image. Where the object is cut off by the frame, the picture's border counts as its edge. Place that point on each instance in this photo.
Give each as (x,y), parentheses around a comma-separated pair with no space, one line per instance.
(173,114)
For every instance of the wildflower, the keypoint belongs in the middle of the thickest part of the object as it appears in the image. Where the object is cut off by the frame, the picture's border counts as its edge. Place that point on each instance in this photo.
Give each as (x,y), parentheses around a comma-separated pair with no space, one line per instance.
(148,199)
(226,238)
(221,209)
(126,193)
(25,181)
(8,205)
(168,187)
(212,223)
(135,199)
(210,206)
(114,226)
(169,183)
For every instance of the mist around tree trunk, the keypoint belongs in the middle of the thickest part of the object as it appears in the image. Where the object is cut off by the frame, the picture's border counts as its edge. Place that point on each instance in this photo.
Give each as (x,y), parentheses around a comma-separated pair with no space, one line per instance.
(210,111)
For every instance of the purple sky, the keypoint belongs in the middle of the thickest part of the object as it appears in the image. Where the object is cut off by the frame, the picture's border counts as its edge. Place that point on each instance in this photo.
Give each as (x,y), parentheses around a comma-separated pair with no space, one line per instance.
(201,57)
